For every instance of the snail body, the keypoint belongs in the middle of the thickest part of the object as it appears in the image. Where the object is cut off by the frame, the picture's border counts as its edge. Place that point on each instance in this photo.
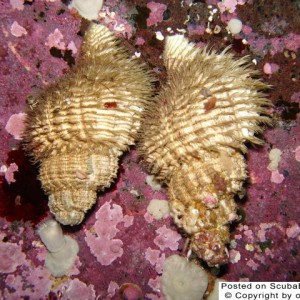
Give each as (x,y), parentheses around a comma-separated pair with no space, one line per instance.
(79,126)
(193,139)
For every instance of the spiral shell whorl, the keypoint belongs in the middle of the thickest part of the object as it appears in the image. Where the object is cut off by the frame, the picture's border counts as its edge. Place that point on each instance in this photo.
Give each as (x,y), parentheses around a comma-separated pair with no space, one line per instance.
(72,181)
(79,126)
(69,206)
(193,139)
(106,84)
(201,202)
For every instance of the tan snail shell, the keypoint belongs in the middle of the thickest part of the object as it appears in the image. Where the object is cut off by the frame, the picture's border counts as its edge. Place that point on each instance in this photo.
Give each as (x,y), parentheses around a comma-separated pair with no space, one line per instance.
(78,127)
(193,135)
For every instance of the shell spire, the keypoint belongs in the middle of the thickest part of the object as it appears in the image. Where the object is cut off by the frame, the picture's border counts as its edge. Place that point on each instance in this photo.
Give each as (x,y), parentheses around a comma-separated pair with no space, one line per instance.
(193,138)
(79,126)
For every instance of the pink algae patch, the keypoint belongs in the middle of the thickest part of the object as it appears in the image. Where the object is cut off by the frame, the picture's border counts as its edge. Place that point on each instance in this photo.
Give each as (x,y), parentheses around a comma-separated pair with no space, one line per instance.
(260,258)
(102,243)
(156,14)
(167,238)
(71,46)
(234,256)
(264,227)
(249,234)
(148,217)
(293,42)
(112,288)
(38,277)
(155,258)
(270,68)
(230,5)
(297,153)
(290,42)
(17,4)
(16,125)
(140,41)
(296,97)
(152,255)
(78,289)
(9,174)
(11,256)
(276,177)
(247,29)
(128,220)
(252,264)
(17,30)
(293,231)
(155,283)
(14,282)
(238,236)
(54,39)
(269,253)
(106,251)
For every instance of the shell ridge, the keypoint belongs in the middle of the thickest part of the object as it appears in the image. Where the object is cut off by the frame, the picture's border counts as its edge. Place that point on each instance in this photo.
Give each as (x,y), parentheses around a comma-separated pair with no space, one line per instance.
(193,139)
(85,121)
(177,51)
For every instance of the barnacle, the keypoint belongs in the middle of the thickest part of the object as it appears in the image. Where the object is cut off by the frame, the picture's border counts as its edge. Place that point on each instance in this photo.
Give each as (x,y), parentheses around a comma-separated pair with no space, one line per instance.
(193,138)
(79,126)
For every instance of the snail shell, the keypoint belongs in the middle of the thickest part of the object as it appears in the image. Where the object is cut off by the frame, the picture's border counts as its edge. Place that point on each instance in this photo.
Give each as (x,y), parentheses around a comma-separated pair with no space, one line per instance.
(79,126)
(193,138)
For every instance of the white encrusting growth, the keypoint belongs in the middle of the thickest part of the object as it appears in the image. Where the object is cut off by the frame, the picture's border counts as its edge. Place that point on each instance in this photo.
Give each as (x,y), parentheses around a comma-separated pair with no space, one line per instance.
(159,35)
(183,279)
(155,185)
(158,209)
(62,250)
(275,157)
(88,9)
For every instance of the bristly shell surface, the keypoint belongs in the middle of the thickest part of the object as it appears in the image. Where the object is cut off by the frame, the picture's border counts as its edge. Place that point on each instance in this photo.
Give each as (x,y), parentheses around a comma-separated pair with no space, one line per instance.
(193,138)
(78,127)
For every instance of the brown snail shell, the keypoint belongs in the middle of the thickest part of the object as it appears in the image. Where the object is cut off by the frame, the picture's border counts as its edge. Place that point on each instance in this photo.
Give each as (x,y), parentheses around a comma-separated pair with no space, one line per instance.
(78,127)
(193,138)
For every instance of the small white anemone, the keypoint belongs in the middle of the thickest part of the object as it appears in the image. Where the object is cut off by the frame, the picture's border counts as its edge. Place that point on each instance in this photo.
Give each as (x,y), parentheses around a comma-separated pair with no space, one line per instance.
(88,9)
(62,250)
(235,26)
(183,280)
